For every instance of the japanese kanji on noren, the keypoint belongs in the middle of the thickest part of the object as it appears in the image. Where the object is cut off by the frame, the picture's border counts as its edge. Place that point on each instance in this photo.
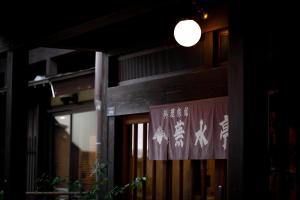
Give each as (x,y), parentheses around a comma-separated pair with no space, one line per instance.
(189,130)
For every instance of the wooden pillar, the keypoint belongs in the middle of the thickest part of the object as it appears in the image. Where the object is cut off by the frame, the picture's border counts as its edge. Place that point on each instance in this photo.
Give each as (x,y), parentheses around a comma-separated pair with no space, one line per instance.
(2,137)
(101,83)
(247,88)
(16,125)
(111,150)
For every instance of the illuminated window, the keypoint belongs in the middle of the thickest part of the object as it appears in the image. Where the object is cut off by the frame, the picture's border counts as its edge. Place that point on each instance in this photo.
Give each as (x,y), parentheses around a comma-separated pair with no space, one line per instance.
(75,148)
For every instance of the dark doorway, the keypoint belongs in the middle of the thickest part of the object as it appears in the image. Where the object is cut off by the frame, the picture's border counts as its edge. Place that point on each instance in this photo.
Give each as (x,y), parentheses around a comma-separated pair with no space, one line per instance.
(282,132)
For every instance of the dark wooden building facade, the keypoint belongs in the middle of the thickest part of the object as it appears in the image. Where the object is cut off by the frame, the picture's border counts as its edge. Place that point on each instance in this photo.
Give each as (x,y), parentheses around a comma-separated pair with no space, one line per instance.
(79,85)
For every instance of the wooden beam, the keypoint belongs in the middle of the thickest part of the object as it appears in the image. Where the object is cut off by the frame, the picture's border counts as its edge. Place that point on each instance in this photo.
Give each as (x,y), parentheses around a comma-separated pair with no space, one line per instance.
(16,125)
(136,98)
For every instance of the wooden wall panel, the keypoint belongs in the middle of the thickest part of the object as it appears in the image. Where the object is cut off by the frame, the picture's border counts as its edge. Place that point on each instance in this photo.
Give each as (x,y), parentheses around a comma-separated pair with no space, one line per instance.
(164,60)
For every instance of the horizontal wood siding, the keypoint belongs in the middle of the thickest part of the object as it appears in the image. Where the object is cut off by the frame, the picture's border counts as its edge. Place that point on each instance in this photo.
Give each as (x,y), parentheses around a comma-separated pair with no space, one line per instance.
(162,60)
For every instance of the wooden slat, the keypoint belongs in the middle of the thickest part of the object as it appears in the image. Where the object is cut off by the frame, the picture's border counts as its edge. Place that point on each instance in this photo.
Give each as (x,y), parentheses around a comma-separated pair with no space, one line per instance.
(157,61)
(160,180)
(187,180)
(154,180)
(126,154)
(150,179)
(176,180)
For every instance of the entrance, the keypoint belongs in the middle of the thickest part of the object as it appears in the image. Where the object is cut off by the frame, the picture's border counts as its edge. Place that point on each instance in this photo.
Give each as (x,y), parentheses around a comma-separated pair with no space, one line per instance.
(167,179)
(282,139)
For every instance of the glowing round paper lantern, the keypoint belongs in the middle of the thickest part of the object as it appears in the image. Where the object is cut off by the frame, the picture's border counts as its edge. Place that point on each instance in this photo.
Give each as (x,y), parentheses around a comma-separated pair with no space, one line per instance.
(187,33)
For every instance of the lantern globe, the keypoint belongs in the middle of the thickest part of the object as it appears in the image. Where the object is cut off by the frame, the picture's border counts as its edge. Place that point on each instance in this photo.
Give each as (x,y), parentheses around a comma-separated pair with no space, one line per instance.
(187,32)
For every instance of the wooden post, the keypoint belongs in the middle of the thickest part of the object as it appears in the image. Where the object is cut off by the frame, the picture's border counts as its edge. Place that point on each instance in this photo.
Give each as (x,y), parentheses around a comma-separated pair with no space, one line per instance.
(112,129)
(2,137)
(101,83)
(247,82)
(16,125)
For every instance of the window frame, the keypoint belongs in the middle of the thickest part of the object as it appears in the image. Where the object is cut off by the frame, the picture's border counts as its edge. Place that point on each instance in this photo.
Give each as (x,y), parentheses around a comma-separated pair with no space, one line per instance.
(67,110)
